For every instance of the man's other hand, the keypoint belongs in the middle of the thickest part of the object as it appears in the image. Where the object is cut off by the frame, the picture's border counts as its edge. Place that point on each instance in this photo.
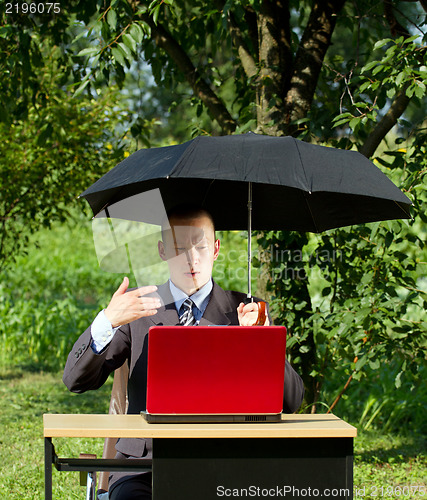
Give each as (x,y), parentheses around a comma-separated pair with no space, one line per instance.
(125,307)
(248,314)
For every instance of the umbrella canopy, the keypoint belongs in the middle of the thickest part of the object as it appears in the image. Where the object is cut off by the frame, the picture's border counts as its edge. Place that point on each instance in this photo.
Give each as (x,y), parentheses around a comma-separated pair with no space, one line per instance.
(295,185)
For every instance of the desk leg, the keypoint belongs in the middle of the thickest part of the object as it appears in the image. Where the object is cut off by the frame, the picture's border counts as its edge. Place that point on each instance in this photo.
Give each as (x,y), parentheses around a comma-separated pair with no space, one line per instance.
(48,461)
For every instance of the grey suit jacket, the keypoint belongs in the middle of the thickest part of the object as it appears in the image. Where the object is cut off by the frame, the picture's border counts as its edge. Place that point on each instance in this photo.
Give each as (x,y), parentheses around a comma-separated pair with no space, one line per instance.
(86,370)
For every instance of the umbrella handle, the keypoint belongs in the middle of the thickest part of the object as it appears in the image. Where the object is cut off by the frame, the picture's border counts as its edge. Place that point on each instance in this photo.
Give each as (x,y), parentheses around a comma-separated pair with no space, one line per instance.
(262,313)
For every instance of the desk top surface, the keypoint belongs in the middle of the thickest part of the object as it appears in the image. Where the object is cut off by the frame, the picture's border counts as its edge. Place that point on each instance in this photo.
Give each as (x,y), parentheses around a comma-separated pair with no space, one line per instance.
(131,426)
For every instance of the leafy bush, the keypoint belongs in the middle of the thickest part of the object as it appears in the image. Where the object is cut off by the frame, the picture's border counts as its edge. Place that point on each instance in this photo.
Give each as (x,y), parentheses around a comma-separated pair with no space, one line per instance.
(375,403)
(51,295)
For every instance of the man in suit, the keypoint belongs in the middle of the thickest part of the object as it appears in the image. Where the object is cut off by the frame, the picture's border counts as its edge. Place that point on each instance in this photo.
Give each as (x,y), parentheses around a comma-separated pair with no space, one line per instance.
(119,333)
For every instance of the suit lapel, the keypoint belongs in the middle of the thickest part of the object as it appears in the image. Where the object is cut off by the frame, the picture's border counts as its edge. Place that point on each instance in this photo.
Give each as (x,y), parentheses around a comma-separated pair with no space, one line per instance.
(167,314)
(219,310)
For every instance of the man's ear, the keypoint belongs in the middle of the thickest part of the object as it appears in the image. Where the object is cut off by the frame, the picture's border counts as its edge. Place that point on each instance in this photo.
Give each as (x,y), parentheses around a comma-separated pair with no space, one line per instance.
(217,244)
(161,249)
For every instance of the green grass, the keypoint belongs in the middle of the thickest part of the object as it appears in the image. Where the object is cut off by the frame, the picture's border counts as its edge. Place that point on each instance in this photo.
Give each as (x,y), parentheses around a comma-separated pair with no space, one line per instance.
(25,397)
(389,460)
(388,463)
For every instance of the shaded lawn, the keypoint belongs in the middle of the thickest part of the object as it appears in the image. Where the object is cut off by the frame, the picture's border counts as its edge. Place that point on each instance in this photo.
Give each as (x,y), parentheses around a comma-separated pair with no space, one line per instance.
(25,397)
(380,461)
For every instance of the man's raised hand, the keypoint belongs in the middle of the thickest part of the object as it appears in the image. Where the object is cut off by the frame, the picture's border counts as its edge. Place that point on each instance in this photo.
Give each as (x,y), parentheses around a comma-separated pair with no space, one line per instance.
(125,307)
(248,314)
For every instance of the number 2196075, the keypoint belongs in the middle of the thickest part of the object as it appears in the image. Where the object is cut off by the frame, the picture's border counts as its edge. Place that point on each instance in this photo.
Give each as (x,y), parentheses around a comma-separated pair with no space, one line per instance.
(396,491)
(33,8)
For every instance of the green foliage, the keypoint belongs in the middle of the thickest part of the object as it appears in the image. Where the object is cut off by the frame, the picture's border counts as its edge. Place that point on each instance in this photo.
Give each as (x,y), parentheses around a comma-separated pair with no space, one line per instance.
(218,60)
(401,69)
(119,45)
(231,268)
(50,296)
(54,142)
(223,46)
(51,155)
(375,403)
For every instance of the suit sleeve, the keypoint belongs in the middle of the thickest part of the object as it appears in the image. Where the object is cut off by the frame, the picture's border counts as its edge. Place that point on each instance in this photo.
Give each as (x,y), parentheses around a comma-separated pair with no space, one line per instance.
(293,391)
(294,387)
(86,370)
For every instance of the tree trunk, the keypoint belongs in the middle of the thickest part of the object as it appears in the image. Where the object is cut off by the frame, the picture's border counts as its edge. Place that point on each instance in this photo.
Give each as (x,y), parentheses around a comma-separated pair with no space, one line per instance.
(275,63)
(309,60)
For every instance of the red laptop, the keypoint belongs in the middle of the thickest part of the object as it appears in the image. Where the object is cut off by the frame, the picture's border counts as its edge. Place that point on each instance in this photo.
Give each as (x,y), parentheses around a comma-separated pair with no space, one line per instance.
(215,373)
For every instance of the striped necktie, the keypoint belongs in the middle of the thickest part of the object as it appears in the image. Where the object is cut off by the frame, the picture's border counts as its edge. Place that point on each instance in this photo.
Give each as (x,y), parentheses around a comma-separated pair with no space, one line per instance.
(187,318)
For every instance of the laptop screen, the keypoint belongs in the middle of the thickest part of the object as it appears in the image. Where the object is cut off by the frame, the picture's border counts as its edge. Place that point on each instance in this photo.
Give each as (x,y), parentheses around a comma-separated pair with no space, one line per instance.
(216,369)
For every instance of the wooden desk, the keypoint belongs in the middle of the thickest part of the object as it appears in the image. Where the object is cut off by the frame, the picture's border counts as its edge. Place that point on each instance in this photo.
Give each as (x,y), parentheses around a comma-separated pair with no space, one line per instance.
(303,455)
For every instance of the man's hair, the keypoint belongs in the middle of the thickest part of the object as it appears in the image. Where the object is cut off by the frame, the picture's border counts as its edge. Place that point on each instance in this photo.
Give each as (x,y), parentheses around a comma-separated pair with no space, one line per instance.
(187,211)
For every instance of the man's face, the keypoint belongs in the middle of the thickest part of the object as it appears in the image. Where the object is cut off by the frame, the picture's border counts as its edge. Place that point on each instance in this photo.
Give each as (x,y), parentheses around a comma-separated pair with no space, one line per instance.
(190,249)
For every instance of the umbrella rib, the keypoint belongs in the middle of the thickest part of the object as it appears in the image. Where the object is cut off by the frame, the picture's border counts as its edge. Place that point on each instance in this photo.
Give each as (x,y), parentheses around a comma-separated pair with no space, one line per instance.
(309,209)
(104,207)
(309,185)
(207,192)
(406,212)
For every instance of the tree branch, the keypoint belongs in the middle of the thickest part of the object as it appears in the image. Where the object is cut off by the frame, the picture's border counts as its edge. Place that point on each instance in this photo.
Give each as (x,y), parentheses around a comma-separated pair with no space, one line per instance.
(252,30)
(248,62)
(385,124)
(396,28)
(401,101)
(200,87)
(341,393)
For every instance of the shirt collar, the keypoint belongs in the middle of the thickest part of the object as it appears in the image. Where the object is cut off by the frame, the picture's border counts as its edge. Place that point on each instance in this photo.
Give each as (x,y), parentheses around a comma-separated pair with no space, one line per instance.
(198,298)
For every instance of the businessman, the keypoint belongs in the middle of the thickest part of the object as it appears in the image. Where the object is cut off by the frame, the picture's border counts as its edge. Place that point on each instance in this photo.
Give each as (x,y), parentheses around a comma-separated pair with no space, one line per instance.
(119,334)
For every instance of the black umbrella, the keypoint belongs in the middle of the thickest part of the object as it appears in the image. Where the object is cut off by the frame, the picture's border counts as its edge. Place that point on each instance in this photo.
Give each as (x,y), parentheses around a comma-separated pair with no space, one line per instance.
(295,185)
(286,183)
